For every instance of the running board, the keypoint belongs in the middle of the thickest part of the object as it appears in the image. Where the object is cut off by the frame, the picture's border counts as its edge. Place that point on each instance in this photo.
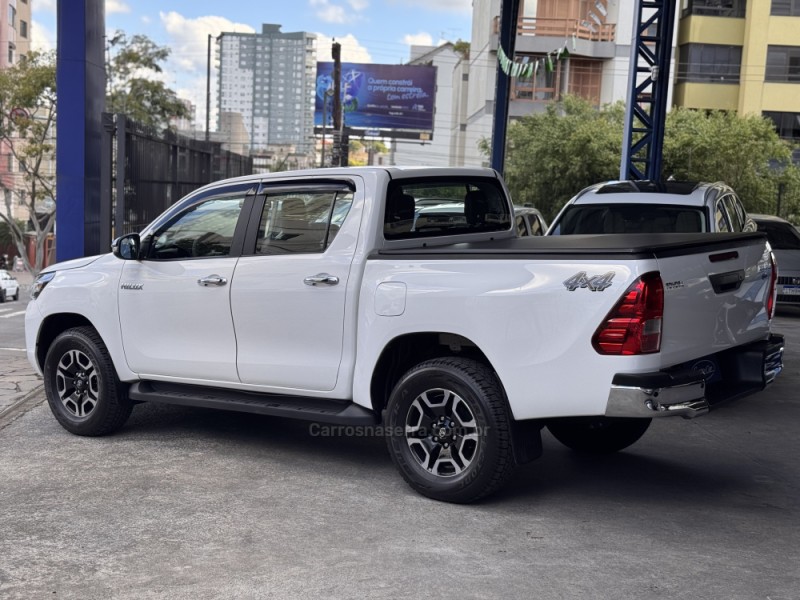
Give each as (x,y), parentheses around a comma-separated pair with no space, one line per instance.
(339,412)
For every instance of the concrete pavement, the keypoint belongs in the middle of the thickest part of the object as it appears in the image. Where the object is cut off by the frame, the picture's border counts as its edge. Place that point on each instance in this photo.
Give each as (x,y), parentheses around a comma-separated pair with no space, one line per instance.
(19,384)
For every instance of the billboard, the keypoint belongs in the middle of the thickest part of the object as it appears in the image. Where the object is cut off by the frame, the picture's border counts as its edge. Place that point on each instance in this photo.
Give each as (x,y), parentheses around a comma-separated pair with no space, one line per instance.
(380,100)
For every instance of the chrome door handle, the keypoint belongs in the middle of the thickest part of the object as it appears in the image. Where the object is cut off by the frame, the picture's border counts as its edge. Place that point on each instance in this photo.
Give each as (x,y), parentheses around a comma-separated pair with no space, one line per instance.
(321,279)
(212,280)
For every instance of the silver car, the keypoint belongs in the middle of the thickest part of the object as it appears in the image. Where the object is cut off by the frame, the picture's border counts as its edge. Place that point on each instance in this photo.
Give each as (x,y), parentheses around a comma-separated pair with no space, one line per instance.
(9,287)
(785,241)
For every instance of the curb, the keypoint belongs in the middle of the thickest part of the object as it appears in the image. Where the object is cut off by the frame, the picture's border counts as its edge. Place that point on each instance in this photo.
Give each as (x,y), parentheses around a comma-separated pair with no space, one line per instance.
(26,402)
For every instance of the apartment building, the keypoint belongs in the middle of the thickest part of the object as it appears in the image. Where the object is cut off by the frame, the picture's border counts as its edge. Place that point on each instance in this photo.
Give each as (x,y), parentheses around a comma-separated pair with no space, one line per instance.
(268,78)
(596,35)
(741,55)
(15,25)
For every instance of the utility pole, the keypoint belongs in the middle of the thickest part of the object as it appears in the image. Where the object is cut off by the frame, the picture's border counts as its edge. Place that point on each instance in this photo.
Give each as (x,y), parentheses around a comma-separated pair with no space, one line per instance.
(208,88)
(336,53)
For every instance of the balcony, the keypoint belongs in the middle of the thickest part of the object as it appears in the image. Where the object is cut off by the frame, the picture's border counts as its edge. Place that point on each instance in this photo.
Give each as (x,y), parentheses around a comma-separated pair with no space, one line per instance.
(562,28)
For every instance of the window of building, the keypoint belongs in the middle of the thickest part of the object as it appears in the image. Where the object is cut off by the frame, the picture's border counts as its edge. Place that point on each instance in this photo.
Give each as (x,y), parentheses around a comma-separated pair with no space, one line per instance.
(709,63)
(23,28)
(787,124)
(715,8)
(785,8)
(11,49)
(12,17)
(783,64)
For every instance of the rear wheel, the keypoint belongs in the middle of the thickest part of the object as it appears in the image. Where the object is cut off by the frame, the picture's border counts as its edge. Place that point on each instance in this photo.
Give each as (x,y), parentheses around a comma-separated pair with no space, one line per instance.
(16,296)
(2,296)
(598,435)
(81,385)
(450,431)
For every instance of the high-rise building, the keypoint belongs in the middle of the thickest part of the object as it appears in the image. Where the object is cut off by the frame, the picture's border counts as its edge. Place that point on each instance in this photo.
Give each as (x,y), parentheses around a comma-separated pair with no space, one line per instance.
(15,25)
(596,35)
(268,78)
(741,55)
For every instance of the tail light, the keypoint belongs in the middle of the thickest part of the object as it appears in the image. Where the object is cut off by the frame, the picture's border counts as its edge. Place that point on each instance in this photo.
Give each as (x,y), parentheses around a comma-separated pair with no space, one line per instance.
(773,280)
(634,324)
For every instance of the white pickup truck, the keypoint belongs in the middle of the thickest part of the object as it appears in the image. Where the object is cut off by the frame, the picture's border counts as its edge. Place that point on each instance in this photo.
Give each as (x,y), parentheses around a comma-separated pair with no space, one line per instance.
(319,295)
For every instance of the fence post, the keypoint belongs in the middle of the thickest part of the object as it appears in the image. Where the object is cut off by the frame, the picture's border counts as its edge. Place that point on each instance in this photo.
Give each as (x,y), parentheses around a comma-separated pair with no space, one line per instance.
(119,212)
(106,198)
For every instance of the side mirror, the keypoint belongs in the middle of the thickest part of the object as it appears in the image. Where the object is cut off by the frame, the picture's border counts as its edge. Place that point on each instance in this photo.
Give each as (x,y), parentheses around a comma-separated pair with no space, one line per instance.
(127,247)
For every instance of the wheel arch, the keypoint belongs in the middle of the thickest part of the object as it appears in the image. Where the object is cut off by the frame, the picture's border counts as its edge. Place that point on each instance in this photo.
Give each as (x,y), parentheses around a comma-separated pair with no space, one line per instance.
(407,350)
(52,326)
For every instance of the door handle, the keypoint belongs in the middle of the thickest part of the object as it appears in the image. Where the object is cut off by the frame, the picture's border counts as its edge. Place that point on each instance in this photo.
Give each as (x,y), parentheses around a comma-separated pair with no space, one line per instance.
(321,279)
(212,280)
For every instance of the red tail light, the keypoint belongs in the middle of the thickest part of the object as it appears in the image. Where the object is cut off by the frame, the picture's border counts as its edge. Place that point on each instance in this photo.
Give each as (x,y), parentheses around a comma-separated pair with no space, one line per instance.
(773,280)
(634,325)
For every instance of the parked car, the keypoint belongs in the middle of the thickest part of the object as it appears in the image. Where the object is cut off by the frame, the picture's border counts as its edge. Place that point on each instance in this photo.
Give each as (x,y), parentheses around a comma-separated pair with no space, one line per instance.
(785,241)
(653,207)
(9,287)
(457,340)
(529,221)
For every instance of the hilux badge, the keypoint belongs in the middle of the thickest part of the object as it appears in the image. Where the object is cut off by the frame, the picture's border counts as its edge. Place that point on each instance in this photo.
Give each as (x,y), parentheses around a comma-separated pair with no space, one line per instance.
(596,283)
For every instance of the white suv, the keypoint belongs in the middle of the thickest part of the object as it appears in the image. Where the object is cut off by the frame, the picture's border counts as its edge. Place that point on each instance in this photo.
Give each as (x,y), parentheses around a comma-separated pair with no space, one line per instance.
(9,288)
(653,207)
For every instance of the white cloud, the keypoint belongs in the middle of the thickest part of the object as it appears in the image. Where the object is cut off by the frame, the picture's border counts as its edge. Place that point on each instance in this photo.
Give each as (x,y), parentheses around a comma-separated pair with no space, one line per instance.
(352,50)
(418,39)
(146,20)
(42,39)
(116,6)
(358,5)
(189,37)
(464,6)
(42,6)
(330,13)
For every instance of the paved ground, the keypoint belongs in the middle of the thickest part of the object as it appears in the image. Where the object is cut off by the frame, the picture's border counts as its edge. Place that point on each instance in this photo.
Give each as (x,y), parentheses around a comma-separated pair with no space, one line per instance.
(16,376)
(187,503)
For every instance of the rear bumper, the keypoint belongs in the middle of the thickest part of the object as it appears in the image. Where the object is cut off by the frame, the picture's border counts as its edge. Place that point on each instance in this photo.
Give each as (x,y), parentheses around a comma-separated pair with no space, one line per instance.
(692,389)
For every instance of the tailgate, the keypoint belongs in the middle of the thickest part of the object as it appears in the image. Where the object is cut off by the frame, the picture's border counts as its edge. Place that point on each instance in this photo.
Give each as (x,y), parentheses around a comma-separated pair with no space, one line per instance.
(715,296)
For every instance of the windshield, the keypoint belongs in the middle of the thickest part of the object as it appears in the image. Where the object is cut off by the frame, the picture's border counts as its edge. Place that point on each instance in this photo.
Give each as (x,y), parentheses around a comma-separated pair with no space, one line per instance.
(781,236)
(629,218)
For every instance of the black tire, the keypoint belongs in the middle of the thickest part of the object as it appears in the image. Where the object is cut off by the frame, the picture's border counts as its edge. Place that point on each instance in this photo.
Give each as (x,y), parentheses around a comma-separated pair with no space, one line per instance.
(2,296)
(81,385)
(598,435)
(16,296)
(468,454)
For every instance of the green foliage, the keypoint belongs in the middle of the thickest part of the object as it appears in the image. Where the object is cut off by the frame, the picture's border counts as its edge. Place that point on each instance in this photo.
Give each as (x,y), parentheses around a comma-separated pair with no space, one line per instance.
(553,155)
(721,145)
(461,47)
(133,87)
(28,98)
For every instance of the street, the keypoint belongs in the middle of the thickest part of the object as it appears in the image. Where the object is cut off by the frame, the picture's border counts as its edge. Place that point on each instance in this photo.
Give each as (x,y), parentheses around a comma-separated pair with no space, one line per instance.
(192,503)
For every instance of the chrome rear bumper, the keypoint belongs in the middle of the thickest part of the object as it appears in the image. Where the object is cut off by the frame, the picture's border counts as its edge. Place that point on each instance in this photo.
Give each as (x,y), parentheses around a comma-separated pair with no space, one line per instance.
(689,392)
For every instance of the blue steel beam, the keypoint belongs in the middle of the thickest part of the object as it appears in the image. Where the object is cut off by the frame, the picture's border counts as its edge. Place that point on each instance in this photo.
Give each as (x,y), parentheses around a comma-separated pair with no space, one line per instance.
(509,15)
(648,82)
(80,79)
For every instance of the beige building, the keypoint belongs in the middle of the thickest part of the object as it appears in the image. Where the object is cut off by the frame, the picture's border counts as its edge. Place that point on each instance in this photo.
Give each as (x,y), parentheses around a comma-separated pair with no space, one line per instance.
(741,55)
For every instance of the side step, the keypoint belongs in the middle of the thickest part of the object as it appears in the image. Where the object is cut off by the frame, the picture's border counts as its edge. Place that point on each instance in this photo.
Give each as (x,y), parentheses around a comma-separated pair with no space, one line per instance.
(339,412)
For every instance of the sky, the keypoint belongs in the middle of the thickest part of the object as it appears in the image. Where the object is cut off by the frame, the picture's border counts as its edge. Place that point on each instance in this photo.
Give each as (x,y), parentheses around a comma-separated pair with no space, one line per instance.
(370,31)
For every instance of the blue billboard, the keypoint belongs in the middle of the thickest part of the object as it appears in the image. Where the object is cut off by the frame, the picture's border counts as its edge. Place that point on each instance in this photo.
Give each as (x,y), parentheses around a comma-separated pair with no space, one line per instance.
(380,100)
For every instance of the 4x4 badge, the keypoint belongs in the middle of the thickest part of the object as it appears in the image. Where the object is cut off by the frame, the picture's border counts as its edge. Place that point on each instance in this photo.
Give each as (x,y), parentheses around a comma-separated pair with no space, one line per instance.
(596,283)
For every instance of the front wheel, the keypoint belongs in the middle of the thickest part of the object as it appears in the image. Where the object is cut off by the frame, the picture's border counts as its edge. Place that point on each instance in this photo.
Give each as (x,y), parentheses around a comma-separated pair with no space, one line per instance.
(598,435)
(81,385)
(449,430)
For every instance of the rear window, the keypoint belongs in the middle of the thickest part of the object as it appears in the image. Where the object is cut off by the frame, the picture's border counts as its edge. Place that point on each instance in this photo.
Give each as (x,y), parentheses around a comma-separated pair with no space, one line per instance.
(444,206)
(630,218)
(781,236)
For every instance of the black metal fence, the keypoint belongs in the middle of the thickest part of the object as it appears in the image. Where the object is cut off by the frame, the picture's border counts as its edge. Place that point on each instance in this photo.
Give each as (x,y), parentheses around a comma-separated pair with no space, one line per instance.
(148,171)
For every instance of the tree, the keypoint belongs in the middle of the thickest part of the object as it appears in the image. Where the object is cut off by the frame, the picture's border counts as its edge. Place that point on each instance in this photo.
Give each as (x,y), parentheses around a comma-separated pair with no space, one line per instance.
(721,145)
(553,155)
(28,101)
(132,70)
